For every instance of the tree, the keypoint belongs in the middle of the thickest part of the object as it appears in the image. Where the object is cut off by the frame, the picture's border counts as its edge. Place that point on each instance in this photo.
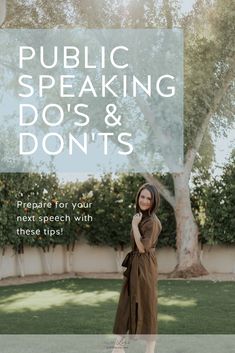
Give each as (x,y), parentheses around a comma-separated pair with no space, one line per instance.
(24,187)
(214,202)
(209,72)
(208,90)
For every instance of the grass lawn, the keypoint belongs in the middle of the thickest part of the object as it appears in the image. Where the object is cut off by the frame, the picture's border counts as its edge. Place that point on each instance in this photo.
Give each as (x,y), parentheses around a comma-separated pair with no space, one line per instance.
(78,306)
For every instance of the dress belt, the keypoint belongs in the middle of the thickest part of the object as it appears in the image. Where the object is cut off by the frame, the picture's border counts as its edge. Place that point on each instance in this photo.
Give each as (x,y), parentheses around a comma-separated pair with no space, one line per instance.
(140,253)
(127,262)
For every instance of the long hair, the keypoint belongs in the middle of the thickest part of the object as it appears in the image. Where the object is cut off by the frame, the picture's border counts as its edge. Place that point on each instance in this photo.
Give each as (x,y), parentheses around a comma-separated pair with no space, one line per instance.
(155,198)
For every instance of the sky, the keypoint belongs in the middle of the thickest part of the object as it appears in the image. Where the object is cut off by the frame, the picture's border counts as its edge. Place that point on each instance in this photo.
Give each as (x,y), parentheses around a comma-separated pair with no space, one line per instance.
(223,149)
(187,5)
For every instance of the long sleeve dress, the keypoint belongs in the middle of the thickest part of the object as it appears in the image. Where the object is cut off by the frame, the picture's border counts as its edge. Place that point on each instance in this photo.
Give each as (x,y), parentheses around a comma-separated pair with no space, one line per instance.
(137,307)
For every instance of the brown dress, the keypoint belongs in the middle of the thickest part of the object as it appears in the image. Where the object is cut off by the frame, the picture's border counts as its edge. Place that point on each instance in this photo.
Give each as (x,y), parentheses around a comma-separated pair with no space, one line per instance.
(137,311)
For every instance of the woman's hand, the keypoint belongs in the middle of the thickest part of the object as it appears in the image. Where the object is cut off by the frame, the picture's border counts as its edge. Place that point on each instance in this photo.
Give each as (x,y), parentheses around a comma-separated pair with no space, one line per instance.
(136,219)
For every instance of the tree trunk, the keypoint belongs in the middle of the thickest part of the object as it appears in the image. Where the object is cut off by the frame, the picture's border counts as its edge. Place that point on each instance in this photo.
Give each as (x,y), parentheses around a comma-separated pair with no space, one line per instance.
(188,255)
(20,260)
(119,260)
(1,263)
(69,260)
(2,11)
(48,261)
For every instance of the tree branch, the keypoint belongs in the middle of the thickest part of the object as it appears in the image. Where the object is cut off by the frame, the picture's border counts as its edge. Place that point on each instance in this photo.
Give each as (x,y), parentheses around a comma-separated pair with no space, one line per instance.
(192,152)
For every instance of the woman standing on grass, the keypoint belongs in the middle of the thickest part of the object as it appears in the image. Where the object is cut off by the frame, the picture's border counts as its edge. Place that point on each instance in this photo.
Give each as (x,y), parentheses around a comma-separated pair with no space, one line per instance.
(137,312)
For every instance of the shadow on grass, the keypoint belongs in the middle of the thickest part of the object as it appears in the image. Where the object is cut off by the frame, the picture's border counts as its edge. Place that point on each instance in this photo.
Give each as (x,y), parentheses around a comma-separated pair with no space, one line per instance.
(82,306)
(70,306)
(61,289)
(200,307)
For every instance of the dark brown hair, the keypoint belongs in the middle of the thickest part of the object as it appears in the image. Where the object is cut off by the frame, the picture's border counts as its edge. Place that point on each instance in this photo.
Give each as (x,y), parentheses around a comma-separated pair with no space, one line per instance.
(155,198)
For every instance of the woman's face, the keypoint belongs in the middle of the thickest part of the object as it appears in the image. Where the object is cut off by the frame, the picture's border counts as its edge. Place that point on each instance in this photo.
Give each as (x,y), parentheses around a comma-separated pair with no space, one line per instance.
(145,200)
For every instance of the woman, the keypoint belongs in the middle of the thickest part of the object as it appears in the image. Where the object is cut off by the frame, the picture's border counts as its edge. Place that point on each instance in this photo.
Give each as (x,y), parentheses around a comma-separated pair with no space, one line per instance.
(136,312)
